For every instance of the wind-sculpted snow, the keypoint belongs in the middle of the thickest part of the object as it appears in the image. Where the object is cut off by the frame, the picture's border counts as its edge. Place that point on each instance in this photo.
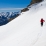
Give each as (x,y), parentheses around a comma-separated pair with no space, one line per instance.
(25,30)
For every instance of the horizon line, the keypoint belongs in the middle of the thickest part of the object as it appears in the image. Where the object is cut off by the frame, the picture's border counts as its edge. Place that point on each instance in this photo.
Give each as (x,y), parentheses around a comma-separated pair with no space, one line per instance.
(11,8)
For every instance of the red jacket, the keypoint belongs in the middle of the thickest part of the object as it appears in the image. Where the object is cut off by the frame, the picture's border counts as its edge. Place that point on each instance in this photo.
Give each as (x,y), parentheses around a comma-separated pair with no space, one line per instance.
(42,20)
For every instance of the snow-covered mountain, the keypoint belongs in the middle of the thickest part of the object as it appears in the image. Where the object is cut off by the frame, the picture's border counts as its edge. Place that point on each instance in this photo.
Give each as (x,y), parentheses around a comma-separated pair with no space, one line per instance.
(5,17)
(26,30)
(7,14)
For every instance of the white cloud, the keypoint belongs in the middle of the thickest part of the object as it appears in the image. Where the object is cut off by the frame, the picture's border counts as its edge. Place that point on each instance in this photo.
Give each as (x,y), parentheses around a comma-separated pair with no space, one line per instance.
(11,8)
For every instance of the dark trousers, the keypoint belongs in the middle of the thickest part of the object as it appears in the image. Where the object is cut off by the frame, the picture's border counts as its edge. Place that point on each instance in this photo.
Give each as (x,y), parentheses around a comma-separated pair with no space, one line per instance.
(41,23)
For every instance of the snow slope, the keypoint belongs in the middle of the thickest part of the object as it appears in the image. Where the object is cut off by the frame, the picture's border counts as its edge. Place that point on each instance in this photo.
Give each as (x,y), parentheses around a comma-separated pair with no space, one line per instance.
(25,30)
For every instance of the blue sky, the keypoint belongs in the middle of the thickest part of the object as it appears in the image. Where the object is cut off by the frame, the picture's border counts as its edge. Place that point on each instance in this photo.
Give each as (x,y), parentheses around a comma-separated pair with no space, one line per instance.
(14,3)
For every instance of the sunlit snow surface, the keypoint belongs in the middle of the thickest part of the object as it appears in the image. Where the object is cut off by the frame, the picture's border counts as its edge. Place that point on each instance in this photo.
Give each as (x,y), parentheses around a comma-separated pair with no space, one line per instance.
(25,30)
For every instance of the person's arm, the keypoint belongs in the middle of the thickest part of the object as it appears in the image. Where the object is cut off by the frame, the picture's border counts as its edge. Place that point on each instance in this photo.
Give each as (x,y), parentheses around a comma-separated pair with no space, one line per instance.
(44,20)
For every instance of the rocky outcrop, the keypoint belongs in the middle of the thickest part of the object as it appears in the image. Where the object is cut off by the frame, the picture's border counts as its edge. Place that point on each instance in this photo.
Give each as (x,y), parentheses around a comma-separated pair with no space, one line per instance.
(25,9)
(32,2)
